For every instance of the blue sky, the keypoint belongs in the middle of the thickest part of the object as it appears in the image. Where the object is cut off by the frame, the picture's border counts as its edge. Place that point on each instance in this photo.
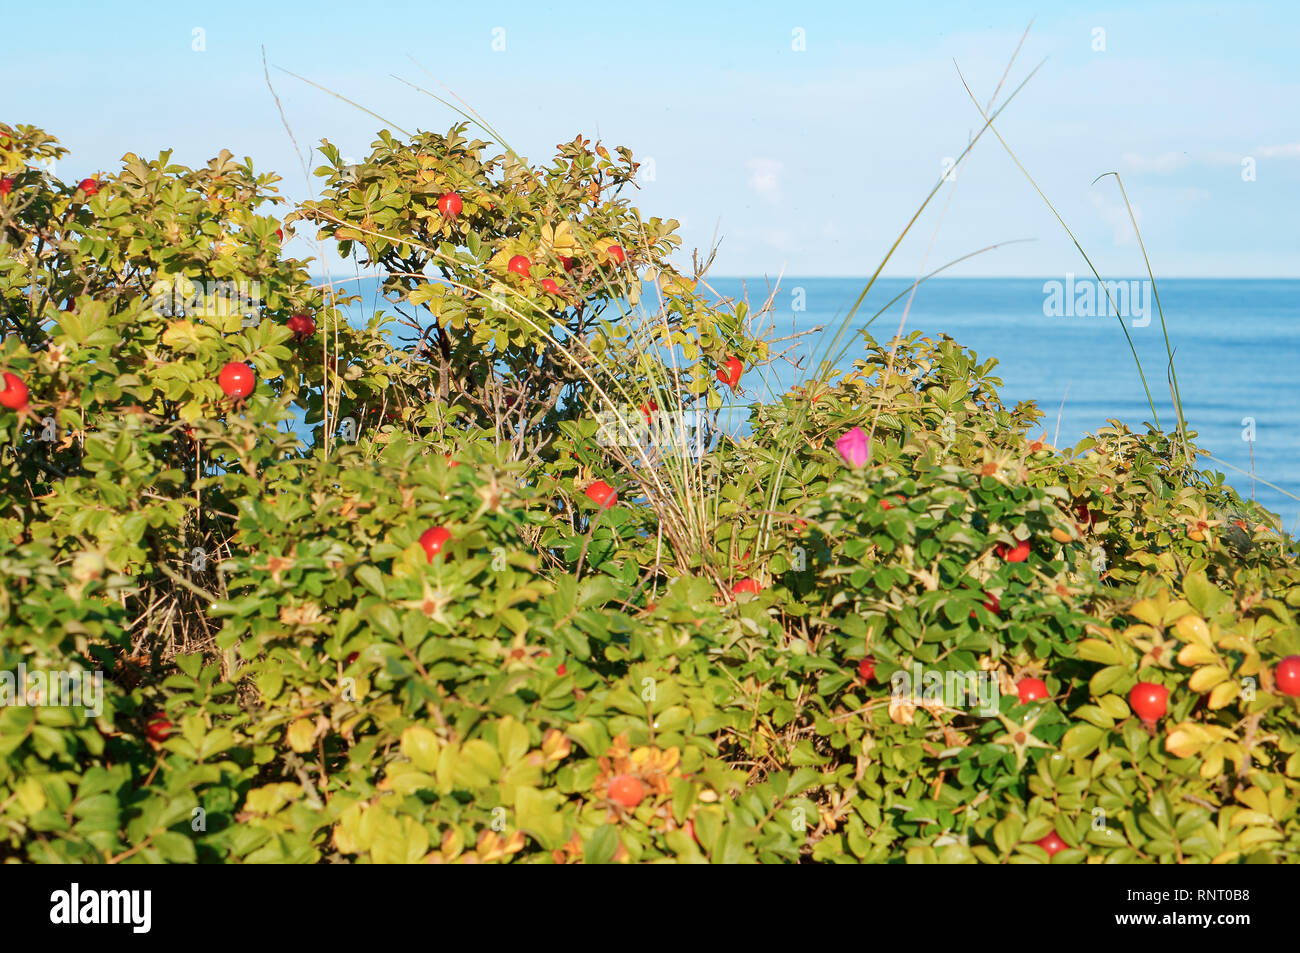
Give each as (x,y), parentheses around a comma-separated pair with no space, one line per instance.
(806,162)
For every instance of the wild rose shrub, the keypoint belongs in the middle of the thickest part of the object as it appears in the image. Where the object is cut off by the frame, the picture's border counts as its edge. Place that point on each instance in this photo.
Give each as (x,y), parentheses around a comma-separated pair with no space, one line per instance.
(703,670)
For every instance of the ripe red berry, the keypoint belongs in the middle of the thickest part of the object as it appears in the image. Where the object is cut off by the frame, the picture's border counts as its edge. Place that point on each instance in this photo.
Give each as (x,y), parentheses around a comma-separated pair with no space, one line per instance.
(626,790)
(301,325)
(647,409)
(519,265)
(158,727)
(1031,690)
(1287,676)
(752,586)
(550,287)
(991,602)
(729,373)
(602,494)
(616,252)
(560,669)
(449,205)
(1149,701)
(1052,843)
(867,669)
(237,380)
(14,395)
(6,185)
(1014,554)
(432,539)
(279,233)
(352,657)
(567,263)
(88,186)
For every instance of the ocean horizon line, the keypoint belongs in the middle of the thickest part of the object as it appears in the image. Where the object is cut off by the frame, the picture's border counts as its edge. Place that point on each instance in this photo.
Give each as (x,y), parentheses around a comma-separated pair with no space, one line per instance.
(1055,277)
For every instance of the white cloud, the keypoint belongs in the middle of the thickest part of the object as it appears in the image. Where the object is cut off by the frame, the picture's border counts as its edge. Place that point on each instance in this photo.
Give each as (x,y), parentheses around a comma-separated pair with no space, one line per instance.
(764,178)
(1160,165)
(1115,214)
(1289,151)
(1218,157)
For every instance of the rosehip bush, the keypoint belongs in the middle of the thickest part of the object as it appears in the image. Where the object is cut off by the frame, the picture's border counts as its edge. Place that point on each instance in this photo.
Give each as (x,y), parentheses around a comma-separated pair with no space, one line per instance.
(390,596)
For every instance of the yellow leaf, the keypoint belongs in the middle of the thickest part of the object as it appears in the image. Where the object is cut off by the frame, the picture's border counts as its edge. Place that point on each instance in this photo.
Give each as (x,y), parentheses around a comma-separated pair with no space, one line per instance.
(1183,744)
(1259,835)
(453,842)
(1235,643)
(1222,695)
(301,734)
(1255,799)
(271,797)
(1192,628)
(30,794)
(1206,678)
(1193,655)
(556,745)
(182,335)
(1149,611)
(1250,819)
(560,240)
(399,841)
(421,746)
(512,741)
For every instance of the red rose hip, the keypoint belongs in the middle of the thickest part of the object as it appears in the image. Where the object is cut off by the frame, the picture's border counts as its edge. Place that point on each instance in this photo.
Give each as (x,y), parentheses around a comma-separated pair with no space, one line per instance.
(1031,690)
(991,602)
(301,325)
(1149,701)
(626,790)
(1287,676)
(602,494)
(14,395)
(1052,843)
(433,539)
(158,727)
(1014,554)
(449,205)
(730,372)
(237,380)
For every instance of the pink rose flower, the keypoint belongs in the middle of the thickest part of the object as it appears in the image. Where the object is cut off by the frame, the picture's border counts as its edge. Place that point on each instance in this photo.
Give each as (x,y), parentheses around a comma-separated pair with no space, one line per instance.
(853,447)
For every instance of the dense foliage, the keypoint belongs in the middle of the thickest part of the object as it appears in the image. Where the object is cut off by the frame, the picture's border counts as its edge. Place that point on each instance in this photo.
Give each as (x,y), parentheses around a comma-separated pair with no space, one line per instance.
(389,593)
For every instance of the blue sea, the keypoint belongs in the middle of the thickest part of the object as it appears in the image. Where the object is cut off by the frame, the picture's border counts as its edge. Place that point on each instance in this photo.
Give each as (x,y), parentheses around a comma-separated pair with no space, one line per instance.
(1236,349)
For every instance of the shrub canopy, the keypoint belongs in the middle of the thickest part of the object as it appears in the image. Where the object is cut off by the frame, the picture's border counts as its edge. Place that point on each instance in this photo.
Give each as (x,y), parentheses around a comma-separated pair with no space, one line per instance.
(809,643)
